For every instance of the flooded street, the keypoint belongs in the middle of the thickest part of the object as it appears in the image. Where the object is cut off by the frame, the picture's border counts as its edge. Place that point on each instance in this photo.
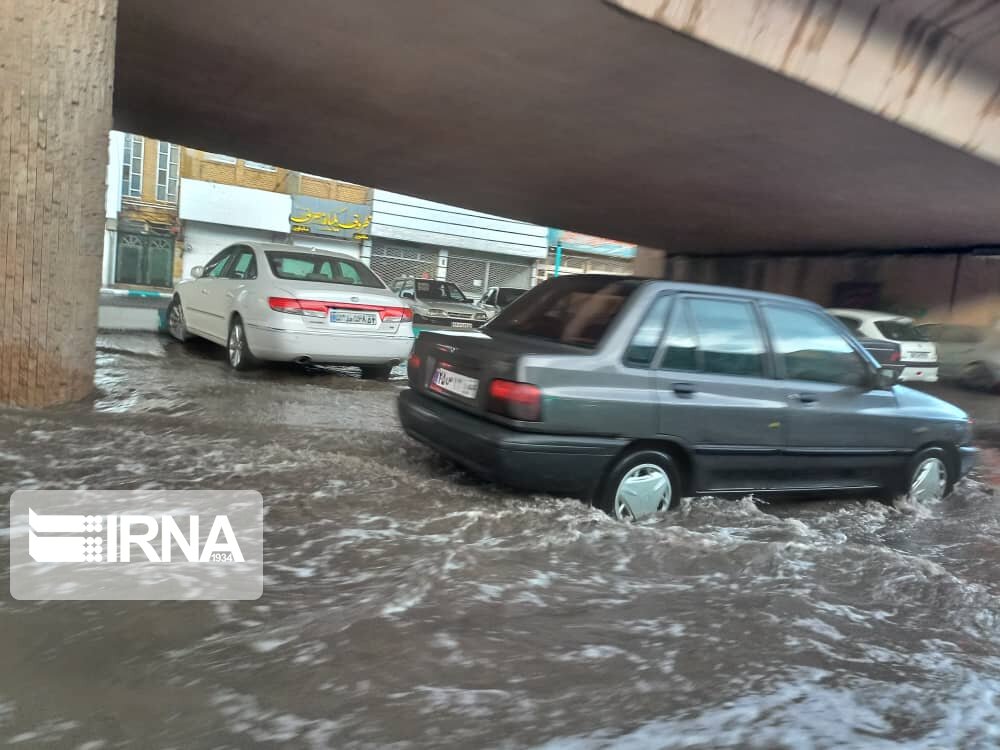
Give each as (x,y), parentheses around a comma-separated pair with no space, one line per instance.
(407,605)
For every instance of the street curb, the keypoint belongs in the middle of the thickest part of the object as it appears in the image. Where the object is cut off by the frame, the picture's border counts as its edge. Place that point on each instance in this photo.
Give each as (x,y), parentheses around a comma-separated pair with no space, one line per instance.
(136,293)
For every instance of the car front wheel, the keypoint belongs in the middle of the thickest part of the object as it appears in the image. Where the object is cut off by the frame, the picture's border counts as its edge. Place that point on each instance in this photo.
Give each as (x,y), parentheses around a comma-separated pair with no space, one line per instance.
(175,320)
(240,357)
(929,478)
(640,484)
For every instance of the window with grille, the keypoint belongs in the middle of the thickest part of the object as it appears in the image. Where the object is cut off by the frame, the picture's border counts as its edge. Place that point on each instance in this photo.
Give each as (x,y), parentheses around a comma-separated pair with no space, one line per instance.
(393,263)
(167,162)
(132,167)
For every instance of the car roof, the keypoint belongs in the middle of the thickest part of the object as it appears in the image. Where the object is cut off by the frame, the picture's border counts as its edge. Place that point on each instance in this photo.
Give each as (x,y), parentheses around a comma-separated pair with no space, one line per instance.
(307,249)
(684,286)
(868,316)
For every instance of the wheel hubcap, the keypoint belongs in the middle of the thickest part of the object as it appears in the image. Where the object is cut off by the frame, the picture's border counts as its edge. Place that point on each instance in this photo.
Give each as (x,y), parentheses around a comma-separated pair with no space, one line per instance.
(643,490)
(235,345)
(929,481)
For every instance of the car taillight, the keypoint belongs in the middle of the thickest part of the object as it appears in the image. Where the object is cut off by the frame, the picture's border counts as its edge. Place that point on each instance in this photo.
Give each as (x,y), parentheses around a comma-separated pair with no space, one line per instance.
(894,357)
(292,306)
(396,313)
(318,309)
(521,401)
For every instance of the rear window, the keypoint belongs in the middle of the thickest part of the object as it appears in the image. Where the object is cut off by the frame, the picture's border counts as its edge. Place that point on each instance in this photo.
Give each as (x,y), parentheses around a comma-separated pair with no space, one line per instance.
(506,296)
(575,311)
(899,330)
(323,268)
(445,291)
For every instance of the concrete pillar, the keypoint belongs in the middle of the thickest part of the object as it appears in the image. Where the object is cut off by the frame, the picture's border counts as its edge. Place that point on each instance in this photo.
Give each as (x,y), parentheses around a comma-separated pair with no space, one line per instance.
(651,262)
(56,75)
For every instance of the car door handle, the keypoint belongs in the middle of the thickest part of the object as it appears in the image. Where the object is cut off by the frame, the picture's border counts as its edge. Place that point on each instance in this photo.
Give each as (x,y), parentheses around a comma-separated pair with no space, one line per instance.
(683,389)
(805,398)
(204,291)
(230,295)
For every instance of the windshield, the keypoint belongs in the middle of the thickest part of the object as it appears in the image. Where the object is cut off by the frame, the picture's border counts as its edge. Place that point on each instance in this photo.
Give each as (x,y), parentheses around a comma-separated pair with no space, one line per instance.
(899,330)
(323,268)
(571,311)
(506,296)
(439,290)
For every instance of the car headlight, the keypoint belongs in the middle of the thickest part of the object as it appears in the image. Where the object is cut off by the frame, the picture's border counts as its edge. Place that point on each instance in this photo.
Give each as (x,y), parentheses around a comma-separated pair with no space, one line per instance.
(480,316)
(437,313)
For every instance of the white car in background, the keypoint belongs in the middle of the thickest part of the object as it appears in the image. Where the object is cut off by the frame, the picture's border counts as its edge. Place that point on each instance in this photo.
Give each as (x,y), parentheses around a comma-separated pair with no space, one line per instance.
(918,357)
(266,301)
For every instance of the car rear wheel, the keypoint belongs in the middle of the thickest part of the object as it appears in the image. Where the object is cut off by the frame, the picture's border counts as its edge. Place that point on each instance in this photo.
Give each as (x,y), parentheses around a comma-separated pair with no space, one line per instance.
(929,478)
(240,357)
(376,372)
(175,320)
(640,484)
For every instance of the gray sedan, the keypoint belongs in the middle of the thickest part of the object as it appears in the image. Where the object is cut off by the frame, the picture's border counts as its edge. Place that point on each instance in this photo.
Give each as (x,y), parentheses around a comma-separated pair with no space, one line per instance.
(635,393)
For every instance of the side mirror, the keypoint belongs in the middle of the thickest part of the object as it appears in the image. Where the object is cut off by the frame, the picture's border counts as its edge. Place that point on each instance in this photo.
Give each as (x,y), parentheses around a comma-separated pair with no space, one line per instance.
(886,377)
(407,295)
(197,271)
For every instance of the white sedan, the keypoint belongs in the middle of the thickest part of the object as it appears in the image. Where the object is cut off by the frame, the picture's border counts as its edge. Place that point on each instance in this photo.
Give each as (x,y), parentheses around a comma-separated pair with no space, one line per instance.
(918,356)
(266,301)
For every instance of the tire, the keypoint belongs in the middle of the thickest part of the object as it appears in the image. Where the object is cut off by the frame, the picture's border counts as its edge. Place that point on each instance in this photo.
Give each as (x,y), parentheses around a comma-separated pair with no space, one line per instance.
(176,324)
(930,476)
(643,470)
(240,356)
(376,372)
(977,377)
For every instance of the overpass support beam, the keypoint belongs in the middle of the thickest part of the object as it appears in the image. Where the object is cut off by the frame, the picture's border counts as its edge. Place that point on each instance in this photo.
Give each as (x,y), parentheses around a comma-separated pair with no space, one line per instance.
(651,262)
(56,77)
(900,61)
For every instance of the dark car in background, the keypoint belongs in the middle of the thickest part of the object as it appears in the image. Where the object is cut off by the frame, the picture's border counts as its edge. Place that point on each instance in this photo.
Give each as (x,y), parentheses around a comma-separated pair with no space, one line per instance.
(887,353)
(635,393)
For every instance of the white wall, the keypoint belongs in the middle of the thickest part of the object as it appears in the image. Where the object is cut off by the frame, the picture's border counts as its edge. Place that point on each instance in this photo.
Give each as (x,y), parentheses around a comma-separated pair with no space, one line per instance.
(202,241)
(113,193)
(402,217)
(229,205)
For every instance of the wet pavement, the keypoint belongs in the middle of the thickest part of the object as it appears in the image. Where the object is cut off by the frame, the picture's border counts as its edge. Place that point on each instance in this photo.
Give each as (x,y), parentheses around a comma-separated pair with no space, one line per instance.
(407,605)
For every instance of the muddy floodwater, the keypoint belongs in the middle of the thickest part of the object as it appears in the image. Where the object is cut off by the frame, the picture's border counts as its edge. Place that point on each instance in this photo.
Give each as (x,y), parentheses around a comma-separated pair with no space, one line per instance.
(409,606)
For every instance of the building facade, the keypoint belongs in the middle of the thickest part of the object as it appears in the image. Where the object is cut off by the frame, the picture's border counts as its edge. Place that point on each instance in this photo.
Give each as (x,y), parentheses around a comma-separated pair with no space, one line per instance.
(572,252)
(170,209)
(141,227)
(412,237)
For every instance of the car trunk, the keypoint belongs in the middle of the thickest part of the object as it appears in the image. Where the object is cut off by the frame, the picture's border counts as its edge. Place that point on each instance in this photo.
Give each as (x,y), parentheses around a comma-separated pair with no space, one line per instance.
(348,308)
(469,362)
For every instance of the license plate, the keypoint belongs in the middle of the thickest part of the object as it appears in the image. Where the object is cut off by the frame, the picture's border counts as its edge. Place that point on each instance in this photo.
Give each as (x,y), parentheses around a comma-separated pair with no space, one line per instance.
(453,382)
(456,324)
(352,317)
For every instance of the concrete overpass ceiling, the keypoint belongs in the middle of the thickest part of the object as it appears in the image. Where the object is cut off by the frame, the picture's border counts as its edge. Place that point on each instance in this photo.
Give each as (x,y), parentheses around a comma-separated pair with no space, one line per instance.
(568,113)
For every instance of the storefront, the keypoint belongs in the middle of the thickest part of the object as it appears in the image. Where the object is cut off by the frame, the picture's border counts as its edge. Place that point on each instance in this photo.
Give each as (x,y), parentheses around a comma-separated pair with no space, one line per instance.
(329,224)
(411,237)
(214,216)
(572,252)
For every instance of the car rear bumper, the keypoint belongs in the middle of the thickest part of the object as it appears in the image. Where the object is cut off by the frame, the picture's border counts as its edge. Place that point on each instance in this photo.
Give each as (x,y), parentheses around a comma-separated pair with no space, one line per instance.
(923,373)
(560,464)
(327,348)
(446,323)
